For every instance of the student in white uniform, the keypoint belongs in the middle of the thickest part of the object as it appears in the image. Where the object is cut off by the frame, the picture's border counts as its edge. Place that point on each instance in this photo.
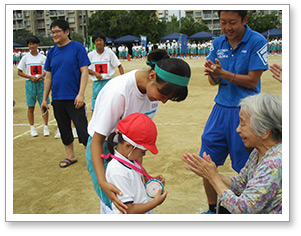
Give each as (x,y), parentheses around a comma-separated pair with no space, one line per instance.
(103,63)
(31,67)
(135,91)
(134,135)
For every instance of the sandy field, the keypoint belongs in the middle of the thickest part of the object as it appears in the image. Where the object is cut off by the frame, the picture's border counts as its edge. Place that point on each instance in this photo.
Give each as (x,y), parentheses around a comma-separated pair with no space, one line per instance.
(40,186)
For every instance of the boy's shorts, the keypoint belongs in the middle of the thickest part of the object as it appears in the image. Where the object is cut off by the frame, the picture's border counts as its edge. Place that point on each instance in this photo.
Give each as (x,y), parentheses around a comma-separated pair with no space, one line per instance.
(220,137)
(96,87)
(34,92)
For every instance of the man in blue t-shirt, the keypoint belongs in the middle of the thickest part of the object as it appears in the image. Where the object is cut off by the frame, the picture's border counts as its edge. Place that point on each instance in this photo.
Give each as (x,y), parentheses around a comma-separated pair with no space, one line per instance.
(235,63)
(66,76)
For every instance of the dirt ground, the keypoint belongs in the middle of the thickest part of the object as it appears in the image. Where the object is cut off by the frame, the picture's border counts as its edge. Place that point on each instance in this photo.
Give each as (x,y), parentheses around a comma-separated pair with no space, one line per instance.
(40,186)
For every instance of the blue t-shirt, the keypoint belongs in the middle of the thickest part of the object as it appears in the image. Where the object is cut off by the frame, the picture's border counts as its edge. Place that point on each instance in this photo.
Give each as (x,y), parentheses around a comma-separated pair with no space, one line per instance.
(64,63)
(250,54)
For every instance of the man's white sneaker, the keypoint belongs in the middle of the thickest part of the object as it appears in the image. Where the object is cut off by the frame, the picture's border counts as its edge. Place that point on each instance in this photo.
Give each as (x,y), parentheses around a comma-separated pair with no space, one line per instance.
(57,134)
(33,132)
(46,131)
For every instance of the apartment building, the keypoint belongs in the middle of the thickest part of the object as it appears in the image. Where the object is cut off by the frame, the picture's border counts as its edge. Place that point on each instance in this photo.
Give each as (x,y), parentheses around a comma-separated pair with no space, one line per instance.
(162,14)
(39,21)
(210,18)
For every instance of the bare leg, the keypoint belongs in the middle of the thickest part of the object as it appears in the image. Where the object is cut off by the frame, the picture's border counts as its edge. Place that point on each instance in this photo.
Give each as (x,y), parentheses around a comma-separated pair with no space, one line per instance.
(70,153)
(30,115)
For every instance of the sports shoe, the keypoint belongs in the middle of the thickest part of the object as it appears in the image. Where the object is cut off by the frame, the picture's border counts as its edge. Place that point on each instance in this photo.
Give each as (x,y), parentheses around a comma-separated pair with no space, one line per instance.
(46,131)
(208,212)
(33,132)
(74,132)
(57,134)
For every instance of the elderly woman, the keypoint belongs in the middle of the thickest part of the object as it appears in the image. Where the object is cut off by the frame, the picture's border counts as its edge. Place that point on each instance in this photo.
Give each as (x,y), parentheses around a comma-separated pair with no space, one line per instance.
(258,186)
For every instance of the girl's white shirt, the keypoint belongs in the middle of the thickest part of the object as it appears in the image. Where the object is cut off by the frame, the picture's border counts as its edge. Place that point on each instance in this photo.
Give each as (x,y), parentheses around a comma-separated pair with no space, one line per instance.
(119,98)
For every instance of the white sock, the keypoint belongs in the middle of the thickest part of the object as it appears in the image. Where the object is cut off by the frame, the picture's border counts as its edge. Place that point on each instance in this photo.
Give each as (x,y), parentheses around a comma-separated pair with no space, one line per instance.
(45,126)
(32,127)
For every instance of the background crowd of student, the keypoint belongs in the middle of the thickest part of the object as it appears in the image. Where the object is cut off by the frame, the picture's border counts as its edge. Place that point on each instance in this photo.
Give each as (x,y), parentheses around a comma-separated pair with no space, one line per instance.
(195,49)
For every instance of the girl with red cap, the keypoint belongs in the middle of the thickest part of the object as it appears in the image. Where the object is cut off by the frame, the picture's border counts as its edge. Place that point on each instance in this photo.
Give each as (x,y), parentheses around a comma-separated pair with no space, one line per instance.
(134,135)
(135,91)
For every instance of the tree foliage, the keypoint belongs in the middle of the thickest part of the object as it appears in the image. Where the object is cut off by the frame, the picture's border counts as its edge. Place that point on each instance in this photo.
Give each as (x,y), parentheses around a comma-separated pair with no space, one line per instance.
(21,36)
(189,26)
(171,26)
(118,23)
(260,22)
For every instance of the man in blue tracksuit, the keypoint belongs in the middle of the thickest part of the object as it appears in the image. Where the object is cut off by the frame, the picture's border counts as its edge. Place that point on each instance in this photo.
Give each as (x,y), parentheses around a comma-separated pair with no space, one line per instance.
(235,62)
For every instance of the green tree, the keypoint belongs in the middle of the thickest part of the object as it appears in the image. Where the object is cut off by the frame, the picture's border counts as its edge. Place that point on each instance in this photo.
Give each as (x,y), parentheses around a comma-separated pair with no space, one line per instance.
(21,36)
(260,22)
(45,41)
(77,37)
(117,23)
(172,25)
(189,26)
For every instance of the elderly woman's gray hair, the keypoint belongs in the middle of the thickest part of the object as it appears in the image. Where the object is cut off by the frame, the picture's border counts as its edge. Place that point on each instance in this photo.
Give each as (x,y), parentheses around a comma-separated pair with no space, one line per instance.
(265,112)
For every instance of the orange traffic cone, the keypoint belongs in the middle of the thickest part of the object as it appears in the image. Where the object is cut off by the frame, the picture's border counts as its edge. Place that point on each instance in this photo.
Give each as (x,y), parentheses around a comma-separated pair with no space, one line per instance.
(129,57)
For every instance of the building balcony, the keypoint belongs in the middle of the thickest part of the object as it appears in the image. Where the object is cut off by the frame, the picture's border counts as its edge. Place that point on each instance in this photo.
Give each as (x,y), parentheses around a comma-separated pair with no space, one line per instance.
(40,16)
(41,25)
(52,13)
(61,12)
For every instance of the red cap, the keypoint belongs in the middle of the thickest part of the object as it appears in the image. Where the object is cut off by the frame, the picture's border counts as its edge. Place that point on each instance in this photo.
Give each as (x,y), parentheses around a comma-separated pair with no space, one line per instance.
(140,129)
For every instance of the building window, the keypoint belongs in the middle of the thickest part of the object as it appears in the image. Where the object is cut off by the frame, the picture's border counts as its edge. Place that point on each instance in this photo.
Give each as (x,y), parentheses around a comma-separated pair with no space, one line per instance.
(198,14)
(71,20)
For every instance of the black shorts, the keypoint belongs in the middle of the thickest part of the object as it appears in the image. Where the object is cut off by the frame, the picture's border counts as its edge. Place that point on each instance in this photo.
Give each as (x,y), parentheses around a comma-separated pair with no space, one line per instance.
(64,112)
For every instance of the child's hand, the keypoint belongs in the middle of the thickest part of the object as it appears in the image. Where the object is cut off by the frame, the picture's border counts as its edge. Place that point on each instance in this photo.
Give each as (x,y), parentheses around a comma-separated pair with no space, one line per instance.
(40,78)
(33,78)
(161,179)
(159,198)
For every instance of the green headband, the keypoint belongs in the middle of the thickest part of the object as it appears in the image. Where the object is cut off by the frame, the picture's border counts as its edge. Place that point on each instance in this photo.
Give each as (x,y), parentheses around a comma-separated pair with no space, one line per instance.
(169,77)
(172,78)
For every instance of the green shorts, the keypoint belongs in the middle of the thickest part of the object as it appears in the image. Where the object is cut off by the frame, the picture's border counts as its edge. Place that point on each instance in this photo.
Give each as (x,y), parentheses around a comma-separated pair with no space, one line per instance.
(96,87)
(34,92)
(101,194)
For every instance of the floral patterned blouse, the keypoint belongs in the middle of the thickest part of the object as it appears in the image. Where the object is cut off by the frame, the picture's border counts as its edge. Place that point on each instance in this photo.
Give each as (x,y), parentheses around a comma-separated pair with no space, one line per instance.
(258,186)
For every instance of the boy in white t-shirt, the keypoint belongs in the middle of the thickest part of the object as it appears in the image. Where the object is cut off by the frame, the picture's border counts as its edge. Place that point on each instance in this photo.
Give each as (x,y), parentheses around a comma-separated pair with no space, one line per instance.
(103,63)
(31,67)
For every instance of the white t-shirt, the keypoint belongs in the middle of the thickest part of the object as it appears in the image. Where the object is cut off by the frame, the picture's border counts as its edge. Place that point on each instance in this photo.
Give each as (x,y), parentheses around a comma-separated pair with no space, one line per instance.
(104,63)
(127,180)
(32,65)
(118,99)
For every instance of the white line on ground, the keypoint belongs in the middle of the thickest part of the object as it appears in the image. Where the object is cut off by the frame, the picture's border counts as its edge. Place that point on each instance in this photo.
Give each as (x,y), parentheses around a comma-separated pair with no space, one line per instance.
(168,123)
(35,124)
(49,123)
(27,132)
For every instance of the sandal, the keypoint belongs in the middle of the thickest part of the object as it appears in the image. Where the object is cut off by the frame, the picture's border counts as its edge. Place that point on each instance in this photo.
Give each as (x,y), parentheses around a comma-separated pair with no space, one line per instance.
(68,163)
